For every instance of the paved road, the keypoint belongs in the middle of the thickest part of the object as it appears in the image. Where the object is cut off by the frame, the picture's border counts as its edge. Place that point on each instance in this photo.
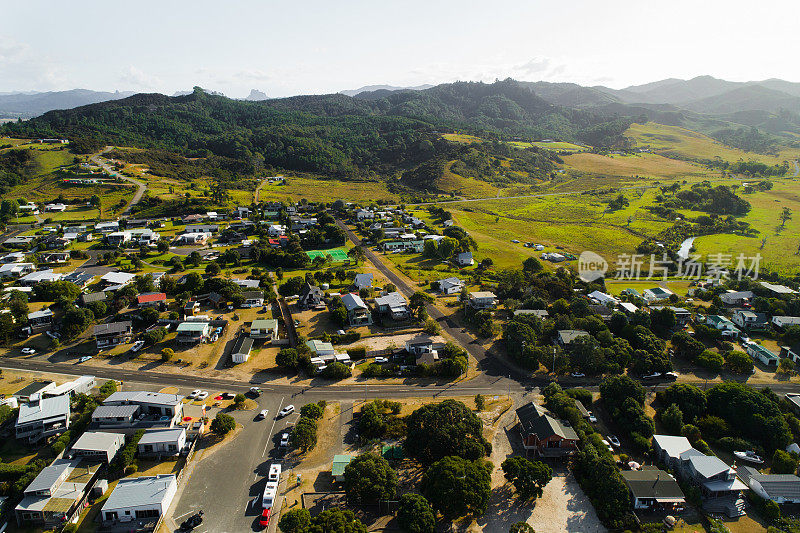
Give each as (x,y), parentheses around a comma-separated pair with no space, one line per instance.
(141,187)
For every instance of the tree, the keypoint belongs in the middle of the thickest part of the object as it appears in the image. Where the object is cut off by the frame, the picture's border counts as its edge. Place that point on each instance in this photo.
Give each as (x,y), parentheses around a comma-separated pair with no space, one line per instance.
(786,214)
(739,362)
(415,514)
(167,354)
(786,367)
(238,401)
(311,410)
(480,402)
(457,487)
(295,521)
(337,370)
(213,269)
(521,527)
(710,360)
(304,434)
(356,253)
(784,462)
(288,358)
(689,398)
(223,424)
(437,430)
(672,419)
(528,477)
(368,479)
(531,265)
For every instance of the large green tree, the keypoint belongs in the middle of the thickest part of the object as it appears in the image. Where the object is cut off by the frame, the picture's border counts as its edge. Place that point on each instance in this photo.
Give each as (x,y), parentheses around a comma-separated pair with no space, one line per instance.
(415,514)
(529,477)
(368,479)
(442,429)
(457,487)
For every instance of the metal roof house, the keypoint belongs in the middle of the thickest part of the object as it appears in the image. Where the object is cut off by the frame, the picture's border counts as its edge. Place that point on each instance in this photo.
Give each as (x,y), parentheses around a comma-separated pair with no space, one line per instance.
(652,488)
(543,435)
(780,488)
(139,498)
(264,328)
(57,494)
(98,445)
(162,442)
(358,313)
(42,417)
(241,349)
(338,466)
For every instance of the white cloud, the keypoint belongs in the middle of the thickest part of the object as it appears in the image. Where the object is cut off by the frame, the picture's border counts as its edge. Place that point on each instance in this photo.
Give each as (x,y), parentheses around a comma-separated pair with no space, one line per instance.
(23,69)
(136,78)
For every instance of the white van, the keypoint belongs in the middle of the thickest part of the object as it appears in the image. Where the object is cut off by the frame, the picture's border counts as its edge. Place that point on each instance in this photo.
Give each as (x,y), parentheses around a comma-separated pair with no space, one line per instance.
(274,473)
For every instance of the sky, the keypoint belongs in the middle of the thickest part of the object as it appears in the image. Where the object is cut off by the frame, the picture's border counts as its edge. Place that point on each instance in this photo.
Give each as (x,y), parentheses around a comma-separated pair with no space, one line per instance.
(314,47)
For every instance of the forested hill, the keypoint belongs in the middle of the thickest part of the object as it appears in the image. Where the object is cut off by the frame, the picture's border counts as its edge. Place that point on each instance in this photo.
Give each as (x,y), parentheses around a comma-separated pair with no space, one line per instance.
(329,134)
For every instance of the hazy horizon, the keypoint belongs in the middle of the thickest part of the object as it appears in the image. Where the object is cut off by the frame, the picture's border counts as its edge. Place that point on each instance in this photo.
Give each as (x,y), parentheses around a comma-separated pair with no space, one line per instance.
(317,47)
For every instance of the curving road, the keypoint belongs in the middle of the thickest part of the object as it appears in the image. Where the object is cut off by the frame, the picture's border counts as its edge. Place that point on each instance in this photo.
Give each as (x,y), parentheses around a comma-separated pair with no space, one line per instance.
(140,186)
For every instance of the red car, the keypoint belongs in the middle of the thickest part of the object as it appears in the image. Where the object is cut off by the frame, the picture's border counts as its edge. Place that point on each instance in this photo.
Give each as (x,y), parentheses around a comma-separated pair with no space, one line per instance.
(264,522)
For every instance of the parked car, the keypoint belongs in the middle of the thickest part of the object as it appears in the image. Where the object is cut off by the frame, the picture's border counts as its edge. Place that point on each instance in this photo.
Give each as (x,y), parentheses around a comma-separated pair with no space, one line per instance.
(286,411)
(592,418)
(255,390)
(28,351)
(654,375)
(381,360)
(194,394)
(285,439)
(202,396)
(192,522)
(228,396)
(614,441)
(53,334)
(607,445)
(670,376)
(138,345)
(263,414)
(264,520)
(340,332)
(84,358)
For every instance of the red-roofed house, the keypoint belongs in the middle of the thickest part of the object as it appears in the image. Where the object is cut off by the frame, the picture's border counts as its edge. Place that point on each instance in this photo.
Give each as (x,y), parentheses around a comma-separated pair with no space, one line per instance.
(152,299)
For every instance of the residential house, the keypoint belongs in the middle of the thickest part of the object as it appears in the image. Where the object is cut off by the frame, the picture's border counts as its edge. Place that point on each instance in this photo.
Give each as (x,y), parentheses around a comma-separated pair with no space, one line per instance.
(794,401)
(41,418)
(97,445)
(167,409)
(55,208)
(13,257)
(190,307)
(780,488)
(117,279)
(543,435)
(541,314)
(603,298)
(151,299)
(241,349)
(736,297)
(192,332)
(363,214)
(79,385)
(139,498)
(90,297)
(81,278)
(628,308)
(54,258)
(781,322)
(266,329)
(358,313)
(394,305)
(324,354)
(15,270)
(201,228)
(653,489)
(565,337)
(425,348)
(450,286)
(792,352)
(682,316)
(162,441)
(20,241)
(310,296)
(465,259)
(40,321)
(750,320)
(413,245)
(29,280)
(253,298)
(192,239)
(765,356)
(276,230)
(113,333)
(656,294)
(57,494)
(362,281)
(320,348)
(247,283)
(106,227)
(778,290)
(482,300)
(34,390)
(602,311)
(721,323)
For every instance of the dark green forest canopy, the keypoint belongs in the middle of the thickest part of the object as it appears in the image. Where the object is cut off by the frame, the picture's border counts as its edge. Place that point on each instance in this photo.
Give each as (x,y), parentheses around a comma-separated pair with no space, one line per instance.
(334,134)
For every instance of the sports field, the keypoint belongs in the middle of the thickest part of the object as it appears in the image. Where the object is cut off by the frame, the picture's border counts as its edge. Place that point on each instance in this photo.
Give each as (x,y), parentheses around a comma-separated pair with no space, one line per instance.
(338,254)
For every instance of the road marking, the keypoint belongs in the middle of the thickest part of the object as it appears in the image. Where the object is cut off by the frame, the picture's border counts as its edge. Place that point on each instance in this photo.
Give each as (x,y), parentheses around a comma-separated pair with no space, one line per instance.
(274,419)
(181,516)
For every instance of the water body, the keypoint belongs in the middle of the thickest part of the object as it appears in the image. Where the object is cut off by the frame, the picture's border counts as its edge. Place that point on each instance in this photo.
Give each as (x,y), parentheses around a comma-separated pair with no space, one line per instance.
(683,251)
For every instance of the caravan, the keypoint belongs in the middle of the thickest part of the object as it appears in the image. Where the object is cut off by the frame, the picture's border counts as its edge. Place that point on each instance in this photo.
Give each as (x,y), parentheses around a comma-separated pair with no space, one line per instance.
(271,490)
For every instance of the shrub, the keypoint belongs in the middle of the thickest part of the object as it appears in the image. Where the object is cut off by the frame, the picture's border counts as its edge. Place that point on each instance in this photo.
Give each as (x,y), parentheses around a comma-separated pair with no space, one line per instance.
(357,352)
(131,469)
(288,358)
(710,360)
(311,410)
(337,370)
(304,434)
(784,462)
(167,354)
(480,402)
(223,424)
(239,400)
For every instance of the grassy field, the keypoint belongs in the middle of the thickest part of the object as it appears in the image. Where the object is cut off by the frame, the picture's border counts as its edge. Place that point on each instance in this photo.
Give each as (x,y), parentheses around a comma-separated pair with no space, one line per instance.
(632,165)
(558,146)
(672,141)
(317,190)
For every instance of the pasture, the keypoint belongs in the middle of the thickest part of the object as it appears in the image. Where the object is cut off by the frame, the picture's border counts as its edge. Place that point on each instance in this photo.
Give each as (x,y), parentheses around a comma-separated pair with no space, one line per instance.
(645,164)
(324,190)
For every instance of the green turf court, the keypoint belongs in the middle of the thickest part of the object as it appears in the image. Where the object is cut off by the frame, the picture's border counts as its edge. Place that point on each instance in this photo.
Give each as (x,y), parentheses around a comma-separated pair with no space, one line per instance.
(338,254)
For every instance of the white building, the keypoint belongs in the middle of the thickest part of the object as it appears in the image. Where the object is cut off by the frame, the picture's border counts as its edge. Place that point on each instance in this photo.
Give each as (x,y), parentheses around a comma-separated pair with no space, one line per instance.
(450,286)
(139,498)
(603,298)
(98,445)
(162,442)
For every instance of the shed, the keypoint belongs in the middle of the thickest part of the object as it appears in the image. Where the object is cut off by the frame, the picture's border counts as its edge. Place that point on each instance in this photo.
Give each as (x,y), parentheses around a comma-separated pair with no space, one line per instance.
(340,462)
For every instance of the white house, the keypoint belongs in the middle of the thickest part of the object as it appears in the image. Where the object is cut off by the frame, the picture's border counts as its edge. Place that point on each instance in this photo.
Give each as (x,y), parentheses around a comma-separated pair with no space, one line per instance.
(465,259)
(603,298)
(482,300)
(276,230)
(139,498)
(15,270)
(162,441)
(80,385)
(450,286)
(55,208)
(241,349)
(780,488)
(656,294)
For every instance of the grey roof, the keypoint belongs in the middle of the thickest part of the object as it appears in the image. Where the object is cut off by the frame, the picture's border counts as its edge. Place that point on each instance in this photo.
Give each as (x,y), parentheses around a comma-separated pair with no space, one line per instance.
(363,281)
(98,440)
(115,411)
(248,295)
(652,483)
(535,420)
(79,277)
(541,313)
(353,301)
(50,475)
(569,335)
(43,409)
(143,397)
(139,492)
(581,409)
(393,299)
(94,297)
(775,485)
(673,445)
(40,314)
(153,436)
(708,465)
(249,283)
(113,327)
(243,345)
